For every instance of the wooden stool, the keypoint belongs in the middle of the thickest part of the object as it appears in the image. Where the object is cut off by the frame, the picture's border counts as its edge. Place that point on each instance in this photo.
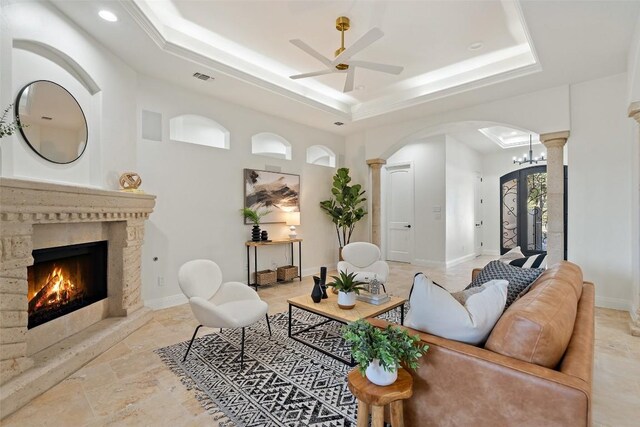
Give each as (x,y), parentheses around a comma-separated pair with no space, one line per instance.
(374,397)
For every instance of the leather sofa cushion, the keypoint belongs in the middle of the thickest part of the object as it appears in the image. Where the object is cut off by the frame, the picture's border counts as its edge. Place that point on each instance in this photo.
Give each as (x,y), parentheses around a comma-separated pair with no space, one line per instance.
(537,327)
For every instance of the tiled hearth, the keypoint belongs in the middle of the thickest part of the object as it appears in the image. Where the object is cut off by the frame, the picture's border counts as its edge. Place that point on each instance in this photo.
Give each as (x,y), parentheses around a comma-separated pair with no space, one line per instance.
(34,216)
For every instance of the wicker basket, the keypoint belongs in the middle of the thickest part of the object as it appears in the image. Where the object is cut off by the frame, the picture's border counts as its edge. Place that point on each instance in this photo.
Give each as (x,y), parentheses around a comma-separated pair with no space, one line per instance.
(266,277)
(287,272)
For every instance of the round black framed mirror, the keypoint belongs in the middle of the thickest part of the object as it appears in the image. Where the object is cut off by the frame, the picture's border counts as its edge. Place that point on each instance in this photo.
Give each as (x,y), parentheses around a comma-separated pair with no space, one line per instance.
(53,123)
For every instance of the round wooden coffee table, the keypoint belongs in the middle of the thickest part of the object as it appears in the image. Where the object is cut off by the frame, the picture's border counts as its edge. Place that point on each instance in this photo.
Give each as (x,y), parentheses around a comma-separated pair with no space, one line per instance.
(373,398)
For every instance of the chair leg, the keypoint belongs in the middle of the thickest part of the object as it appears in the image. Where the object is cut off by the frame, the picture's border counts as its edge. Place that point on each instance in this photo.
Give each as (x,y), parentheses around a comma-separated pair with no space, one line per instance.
(268,324)
(242,351)
(191,343)
(220,330)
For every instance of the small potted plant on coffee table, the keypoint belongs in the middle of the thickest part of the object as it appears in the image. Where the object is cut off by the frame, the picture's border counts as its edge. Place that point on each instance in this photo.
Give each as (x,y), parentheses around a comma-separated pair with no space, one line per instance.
(348,287)
(379,352)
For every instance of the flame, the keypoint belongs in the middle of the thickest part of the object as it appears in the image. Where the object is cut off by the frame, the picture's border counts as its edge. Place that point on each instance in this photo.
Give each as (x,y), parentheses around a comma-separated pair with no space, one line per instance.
(59,289)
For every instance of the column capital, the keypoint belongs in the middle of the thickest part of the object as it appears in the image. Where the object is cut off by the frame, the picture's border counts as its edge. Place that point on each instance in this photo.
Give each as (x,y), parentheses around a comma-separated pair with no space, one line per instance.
(554,139)
(376,163)
(634,110)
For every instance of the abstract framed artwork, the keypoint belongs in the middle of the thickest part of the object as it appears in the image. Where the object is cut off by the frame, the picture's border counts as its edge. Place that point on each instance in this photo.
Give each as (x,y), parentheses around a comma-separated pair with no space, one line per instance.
(276,191)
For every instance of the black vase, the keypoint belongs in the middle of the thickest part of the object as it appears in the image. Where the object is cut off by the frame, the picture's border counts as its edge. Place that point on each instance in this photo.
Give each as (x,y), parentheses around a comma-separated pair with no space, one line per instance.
(264,235)
(255,233)
(316,293)
(323,282)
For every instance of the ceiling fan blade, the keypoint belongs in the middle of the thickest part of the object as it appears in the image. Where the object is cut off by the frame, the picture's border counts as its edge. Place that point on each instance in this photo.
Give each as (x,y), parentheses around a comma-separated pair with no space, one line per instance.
(311,51)
(371,36)
(348,85)
(384,68)
(313,74)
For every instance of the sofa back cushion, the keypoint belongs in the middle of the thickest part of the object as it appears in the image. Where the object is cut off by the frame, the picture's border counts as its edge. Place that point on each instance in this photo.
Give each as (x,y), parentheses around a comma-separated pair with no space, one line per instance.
(537,327)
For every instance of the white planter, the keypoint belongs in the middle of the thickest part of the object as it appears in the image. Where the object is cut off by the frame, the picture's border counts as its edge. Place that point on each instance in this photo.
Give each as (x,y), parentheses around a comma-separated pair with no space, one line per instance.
(346,301)
(377,375)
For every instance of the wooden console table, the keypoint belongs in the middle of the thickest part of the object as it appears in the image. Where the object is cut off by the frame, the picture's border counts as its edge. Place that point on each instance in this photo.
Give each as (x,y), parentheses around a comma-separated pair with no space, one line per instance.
(251,244)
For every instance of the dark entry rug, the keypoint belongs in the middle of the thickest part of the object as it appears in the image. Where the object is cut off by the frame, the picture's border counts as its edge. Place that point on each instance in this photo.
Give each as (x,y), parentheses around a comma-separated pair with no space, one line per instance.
(283,383)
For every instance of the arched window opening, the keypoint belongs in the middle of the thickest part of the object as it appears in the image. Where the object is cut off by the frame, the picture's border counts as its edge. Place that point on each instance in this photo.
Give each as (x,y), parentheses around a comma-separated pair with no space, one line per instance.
(199,130)
(321,156)
(270,145)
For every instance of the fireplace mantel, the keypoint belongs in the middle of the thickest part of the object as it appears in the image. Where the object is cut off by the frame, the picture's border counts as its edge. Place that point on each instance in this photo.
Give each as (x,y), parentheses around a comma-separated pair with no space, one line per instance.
(33,212)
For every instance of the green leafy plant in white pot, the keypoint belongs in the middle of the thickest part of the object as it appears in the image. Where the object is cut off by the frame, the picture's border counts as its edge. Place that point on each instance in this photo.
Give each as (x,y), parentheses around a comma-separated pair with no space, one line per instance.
(348,287)
(380,352)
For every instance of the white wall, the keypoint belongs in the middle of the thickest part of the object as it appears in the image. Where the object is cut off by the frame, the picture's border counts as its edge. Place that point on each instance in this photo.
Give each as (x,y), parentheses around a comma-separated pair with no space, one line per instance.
(633,67)
(462,166)
(600,202)
(200,192)
(428,158)
(110,111)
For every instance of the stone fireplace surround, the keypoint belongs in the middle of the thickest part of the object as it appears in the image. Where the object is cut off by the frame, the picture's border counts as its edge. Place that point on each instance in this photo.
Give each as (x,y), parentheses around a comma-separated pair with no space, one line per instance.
(35,215)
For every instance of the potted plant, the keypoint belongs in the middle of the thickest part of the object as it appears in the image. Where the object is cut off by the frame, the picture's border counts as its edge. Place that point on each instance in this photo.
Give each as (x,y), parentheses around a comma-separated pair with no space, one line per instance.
(345,207)
(380,352)
(348,287)
(9,128)
(254,216)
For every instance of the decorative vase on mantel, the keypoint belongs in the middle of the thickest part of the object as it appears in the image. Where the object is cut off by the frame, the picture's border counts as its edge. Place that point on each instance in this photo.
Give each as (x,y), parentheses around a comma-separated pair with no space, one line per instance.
(255,233)
(378,375)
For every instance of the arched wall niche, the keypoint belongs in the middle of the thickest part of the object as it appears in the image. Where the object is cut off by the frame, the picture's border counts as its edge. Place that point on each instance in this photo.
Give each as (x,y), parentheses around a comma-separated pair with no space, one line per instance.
(270,145)
(321,156)
(200,130)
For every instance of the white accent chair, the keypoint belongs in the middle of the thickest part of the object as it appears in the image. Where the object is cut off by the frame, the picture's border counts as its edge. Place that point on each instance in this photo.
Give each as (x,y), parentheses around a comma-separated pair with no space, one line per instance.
(365,260)
(219,305)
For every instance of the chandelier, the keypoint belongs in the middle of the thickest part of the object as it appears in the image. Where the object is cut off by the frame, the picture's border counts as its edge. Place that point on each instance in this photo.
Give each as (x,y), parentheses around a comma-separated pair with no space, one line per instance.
(530,159)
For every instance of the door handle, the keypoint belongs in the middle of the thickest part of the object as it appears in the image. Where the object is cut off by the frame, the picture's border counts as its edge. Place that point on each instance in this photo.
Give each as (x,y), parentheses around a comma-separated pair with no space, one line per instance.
(408,226)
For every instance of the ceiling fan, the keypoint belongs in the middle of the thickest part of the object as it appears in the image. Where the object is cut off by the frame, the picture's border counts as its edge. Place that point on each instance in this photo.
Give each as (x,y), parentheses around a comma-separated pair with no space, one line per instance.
(342,62)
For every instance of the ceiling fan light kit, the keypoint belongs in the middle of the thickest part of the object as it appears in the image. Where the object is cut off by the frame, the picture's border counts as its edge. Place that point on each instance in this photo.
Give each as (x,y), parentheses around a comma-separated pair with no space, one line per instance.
(342,63)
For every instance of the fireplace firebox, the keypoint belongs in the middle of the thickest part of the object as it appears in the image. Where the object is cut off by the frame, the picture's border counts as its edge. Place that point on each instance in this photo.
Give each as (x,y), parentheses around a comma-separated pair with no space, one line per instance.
(65,279)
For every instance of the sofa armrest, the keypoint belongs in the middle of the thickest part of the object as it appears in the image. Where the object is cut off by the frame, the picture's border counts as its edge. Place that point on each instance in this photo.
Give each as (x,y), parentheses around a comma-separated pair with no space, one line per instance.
(459,384)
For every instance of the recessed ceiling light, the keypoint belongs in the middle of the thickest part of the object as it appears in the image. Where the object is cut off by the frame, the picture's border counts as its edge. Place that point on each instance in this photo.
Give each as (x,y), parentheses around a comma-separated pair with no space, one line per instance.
(107,15)
(475,46)
(338,123)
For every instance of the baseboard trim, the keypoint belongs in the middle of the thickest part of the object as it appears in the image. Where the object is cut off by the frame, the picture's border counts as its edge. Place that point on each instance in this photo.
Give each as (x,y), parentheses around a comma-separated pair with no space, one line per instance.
(490,252)
(427,263)
(460,260)
(613,303)
(166,302)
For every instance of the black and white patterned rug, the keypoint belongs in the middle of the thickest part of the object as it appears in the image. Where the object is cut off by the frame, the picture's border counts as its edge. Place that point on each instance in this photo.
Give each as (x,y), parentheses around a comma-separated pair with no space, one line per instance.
(283,383)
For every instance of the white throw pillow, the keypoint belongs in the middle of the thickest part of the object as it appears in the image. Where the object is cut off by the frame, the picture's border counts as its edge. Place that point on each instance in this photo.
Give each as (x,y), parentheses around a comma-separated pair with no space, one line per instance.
(435,311)
(514,253)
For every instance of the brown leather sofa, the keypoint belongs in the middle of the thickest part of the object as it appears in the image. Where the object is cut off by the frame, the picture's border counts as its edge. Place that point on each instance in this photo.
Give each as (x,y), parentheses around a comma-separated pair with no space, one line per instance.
(534,370)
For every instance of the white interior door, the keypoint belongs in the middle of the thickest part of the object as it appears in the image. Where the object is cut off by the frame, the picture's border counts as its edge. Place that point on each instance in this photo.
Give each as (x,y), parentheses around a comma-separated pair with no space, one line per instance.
(399,212)
(479,223)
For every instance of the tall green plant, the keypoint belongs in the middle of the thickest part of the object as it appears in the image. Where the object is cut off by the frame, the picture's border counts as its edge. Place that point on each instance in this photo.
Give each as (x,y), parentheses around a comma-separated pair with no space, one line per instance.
(346,206)
(253,215)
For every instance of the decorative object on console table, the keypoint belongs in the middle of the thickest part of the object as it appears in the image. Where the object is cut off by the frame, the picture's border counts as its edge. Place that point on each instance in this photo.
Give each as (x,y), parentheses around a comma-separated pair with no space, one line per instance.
(379,354)
(130,182)
(287,273)
(348,287)
(346,207)
(264,236)
(316,292)
(254,216)
(266,277)
(279,192)
(293,219)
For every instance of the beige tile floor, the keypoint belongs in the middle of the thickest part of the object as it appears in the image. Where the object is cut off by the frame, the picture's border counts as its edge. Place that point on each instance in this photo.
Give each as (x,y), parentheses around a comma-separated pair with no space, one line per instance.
(129,386)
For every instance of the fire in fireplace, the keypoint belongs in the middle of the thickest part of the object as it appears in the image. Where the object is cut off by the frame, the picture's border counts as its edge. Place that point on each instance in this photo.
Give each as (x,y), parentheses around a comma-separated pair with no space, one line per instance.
(65,279)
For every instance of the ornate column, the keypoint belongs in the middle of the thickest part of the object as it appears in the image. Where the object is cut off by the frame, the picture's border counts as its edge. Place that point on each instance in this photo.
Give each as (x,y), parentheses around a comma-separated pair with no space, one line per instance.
(634,111)
(375,165)
(554,142)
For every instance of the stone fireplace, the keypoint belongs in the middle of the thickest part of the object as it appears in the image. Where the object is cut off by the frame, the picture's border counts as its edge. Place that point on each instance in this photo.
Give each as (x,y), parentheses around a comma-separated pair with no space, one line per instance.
(78,237)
